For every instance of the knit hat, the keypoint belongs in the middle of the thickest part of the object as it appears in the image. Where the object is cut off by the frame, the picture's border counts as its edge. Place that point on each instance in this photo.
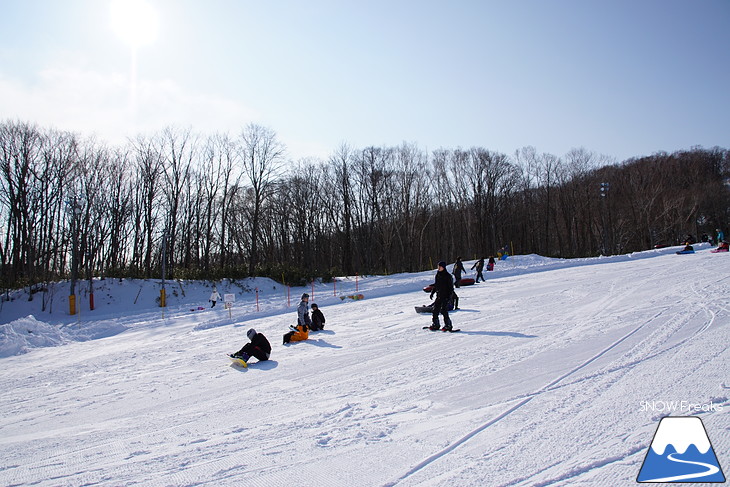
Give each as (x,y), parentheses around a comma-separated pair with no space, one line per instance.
(314,305)
(251,333)
(305,295)
(442,264)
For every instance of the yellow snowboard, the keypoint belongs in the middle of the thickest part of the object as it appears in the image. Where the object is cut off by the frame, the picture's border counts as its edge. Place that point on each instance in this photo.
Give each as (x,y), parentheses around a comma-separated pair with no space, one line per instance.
(238,361)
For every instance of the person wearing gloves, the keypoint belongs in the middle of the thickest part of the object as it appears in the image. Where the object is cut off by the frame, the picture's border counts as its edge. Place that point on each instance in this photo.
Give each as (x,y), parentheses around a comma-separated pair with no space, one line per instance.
(443,287)
(258,347)
(301,331)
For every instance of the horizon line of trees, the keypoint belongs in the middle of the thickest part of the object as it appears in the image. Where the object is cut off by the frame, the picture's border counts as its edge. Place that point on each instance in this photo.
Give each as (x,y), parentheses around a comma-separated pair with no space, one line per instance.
(236,206)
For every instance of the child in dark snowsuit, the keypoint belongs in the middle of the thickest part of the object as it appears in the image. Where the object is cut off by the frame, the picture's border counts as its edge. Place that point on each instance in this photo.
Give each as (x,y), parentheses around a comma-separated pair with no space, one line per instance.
(443,287)
(317,318)
(259,347)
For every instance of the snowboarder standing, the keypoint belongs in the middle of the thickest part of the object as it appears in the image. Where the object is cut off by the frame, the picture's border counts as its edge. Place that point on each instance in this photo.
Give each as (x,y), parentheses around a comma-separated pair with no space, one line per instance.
(214,296)
(479,265)
(258,347)
(301,331)
(317,318)
(443,287)
(458,269)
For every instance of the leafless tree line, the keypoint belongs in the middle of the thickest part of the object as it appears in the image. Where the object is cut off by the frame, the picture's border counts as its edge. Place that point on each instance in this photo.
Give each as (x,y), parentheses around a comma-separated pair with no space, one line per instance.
(235,205)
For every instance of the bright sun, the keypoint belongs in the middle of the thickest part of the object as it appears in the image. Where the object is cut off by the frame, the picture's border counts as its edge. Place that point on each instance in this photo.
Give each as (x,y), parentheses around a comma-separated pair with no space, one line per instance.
(134,21)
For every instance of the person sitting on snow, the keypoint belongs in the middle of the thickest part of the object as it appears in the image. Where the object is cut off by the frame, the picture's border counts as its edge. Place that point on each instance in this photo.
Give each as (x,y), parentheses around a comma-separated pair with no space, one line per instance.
(259,347)
(317,318)
(301,331)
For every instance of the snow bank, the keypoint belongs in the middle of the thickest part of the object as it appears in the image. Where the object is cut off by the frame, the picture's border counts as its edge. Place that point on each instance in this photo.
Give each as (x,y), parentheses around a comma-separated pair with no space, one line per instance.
(22,335)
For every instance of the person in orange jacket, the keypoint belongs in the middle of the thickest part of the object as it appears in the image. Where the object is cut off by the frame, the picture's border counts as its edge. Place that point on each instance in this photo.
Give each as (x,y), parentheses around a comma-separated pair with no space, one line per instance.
(301,331)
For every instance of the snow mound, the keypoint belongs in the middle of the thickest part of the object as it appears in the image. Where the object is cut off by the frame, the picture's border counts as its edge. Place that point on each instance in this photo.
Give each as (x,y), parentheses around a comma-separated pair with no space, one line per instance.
(22,335)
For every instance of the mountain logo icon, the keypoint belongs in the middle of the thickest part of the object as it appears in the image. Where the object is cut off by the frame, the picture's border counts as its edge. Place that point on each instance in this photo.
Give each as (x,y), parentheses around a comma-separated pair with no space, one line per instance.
(681,452)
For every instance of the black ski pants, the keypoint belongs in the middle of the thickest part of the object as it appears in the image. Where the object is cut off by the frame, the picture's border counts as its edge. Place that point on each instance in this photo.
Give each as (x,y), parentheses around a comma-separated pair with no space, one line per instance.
(441,306)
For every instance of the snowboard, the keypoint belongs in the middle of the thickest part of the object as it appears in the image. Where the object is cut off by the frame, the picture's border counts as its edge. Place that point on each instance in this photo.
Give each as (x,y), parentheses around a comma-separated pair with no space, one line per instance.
(428,309)
(441,329)
(199,308)
(238,361)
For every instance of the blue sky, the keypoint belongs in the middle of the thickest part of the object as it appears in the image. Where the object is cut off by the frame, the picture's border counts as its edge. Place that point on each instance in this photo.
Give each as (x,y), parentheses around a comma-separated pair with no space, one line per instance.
(621,78)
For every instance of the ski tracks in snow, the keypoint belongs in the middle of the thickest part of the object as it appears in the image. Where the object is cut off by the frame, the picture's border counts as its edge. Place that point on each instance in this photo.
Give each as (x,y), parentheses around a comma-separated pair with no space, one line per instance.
(529,397)
(643,333)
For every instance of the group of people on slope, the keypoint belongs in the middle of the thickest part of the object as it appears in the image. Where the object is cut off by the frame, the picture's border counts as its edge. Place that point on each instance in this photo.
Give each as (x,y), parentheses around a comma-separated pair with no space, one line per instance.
(259,346)
(443,287)
(304,322)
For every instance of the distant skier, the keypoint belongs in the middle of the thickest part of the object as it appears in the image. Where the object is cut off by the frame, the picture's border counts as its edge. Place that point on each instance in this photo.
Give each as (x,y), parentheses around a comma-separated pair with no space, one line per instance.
(458,269)
(259,347)
(479,266)
(443,287)
(317,318)
(214,296)
(301,331)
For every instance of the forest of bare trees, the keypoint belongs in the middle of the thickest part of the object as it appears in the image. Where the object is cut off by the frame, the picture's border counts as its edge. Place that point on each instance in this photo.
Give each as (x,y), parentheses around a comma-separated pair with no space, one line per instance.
(236,205)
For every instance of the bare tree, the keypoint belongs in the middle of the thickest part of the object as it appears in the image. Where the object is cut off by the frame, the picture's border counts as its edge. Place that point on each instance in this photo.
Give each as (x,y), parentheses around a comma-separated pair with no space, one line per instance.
(262,158)
(342,161)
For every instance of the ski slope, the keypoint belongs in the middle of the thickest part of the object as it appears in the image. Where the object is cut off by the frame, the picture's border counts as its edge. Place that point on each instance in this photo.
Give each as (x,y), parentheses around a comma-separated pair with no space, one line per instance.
(547,383)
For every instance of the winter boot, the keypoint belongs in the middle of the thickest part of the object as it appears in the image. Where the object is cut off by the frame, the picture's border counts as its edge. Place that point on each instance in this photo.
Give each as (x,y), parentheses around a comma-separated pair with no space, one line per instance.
(447,328)
(434,327)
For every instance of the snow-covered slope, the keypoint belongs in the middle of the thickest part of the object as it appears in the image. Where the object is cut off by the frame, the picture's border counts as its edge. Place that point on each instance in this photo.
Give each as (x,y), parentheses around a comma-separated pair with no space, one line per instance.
(548,383)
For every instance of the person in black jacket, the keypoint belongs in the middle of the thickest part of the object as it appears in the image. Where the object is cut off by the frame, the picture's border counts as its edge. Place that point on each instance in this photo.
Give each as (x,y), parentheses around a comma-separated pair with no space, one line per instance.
(458,269)
(443,287)
(317,318)
(259,347)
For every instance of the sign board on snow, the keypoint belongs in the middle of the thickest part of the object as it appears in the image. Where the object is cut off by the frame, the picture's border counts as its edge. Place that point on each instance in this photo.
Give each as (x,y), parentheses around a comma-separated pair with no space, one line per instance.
(229,299)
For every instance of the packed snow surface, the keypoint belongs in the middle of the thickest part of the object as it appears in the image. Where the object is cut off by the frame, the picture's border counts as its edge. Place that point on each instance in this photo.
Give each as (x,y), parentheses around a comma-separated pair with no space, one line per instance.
(559,376)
